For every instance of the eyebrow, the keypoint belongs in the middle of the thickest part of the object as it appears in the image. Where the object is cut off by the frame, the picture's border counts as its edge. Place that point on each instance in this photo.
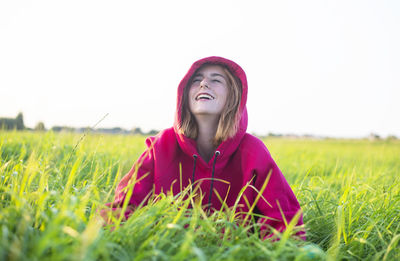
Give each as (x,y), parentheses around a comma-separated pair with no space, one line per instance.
(213,75)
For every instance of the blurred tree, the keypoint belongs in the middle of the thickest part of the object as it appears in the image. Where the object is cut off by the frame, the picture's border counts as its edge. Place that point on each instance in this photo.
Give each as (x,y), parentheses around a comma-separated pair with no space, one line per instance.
(10,123)
(56,128)
(62,128)
(137,130)
(40,126)
(374,136)
(152,132)
(6,123)
(19,121)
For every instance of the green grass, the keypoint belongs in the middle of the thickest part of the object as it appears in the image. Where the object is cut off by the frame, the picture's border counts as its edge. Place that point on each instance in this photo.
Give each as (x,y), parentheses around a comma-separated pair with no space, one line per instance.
(51,191)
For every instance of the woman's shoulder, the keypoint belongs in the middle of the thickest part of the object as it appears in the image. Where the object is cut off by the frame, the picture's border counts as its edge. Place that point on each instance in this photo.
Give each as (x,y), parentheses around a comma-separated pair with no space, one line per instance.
(255,153)
(251,140)
(163,138)
(254,145)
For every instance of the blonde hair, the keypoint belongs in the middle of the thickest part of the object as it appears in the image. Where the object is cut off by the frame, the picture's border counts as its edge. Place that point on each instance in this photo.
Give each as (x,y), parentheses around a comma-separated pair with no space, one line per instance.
(229,120)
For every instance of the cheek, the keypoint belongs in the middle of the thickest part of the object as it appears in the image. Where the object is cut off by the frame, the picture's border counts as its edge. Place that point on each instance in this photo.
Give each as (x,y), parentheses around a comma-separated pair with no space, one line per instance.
(190,92)
(189,98)
(224,95)
(190,95)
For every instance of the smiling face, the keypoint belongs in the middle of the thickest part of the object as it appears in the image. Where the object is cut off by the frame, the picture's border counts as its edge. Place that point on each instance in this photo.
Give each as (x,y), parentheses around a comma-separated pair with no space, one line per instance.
(208,91)
(212,91)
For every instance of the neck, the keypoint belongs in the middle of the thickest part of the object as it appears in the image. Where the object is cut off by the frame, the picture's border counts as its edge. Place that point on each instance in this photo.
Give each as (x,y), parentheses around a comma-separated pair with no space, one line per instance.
(207,127)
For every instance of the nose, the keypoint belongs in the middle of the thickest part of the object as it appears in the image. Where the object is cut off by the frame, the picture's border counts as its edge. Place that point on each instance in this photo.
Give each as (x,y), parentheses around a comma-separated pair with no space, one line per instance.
(204,83)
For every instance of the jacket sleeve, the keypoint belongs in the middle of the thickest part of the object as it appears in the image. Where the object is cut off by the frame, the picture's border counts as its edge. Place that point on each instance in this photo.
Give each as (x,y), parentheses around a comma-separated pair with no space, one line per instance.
(279,205)
(137,184)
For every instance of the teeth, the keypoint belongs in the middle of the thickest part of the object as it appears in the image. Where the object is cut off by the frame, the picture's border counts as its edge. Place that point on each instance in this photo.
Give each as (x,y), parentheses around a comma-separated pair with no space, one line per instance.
(204,96)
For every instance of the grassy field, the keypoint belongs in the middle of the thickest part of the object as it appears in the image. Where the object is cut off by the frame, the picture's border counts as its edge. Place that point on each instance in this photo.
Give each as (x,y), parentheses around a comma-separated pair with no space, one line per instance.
(52,185)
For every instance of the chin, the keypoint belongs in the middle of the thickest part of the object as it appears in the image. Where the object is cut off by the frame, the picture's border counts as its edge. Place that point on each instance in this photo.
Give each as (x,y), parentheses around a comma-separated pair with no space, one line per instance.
(205,110)
(204,113)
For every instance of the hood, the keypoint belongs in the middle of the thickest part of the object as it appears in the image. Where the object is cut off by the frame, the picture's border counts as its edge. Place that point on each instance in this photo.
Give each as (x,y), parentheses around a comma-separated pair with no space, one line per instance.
(227,147)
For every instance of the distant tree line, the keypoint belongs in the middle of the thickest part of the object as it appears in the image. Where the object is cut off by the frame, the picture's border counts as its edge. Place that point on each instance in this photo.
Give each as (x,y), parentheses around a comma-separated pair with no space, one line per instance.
(115,130)
(16,123)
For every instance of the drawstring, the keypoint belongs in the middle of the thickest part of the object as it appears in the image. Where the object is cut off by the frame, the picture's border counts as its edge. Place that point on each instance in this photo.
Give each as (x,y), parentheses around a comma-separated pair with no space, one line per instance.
(212,179)
(194,168)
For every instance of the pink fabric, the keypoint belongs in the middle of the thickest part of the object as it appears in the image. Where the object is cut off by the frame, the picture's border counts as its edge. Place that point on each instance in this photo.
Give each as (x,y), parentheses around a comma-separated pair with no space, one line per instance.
(243,159)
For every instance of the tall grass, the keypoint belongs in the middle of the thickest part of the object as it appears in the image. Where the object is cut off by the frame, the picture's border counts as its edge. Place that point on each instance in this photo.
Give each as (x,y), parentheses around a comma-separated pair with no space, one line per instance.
(50,193)
(350,194)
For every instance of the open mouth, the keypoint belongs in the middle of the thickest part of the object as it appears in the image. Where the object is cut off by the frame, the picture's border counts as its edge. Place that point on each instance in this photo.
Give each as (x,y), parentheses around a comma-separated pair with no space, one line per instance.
(204,96)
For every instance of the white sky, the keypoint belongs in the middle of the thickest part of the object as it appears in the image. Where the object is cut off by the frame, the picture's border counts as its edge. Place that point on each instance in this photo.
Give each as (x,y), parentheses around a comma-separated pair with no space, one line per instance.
(317,67)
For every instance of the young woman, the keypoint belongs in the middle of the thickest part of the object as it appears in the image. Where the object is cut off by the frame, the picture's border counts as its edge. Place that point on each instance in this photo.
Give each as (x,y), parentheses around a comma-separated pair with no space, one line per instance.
(209,143)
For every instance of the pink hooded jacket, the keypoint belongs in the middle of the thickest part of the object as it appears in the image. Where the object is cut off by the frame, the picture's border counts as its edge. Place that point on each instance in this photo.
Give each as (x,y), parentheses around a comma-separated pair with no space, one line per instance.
(241,160)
